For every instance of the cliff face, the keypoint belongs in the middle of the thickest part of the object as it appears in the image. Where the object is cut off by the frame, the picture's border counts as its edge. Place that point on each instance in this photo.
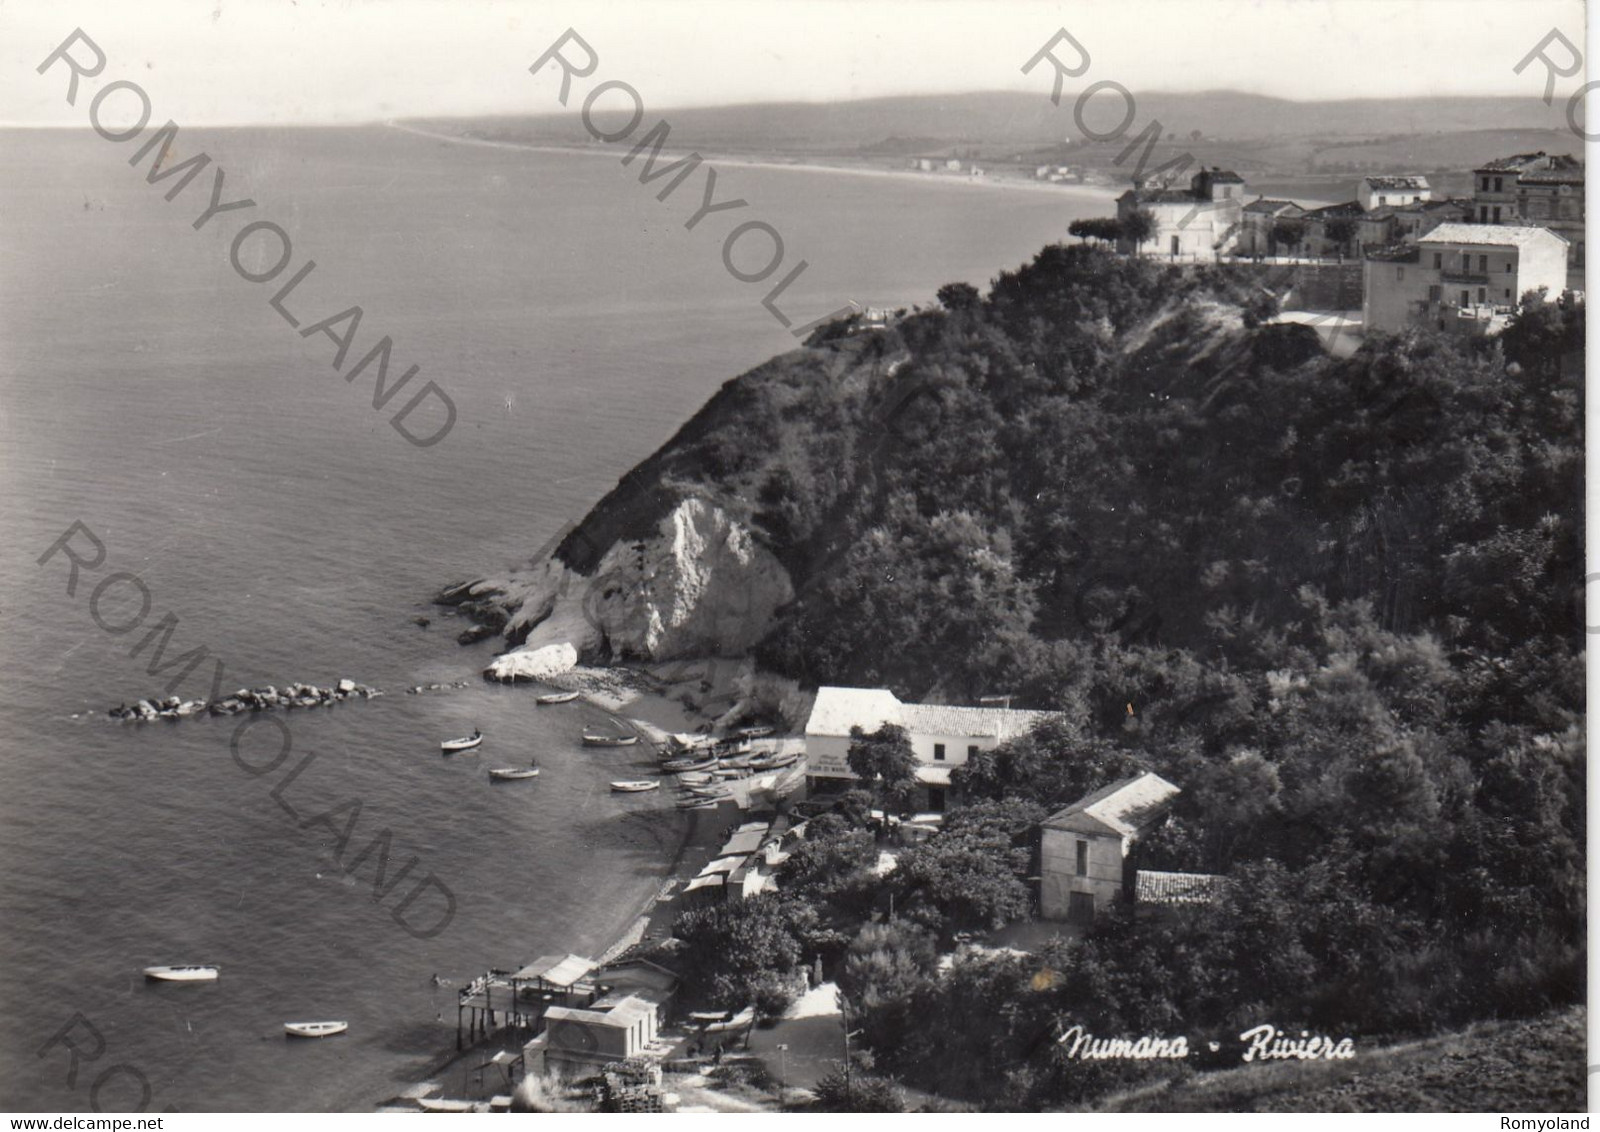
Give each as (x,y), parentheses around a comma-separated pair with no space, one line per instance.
(699,585)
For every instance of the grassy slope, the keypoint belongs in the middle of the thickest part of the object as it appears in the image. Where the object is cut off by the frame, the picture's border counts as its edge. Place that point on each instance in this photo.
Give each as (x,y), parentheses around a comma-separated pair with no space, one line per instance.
(1531,1066)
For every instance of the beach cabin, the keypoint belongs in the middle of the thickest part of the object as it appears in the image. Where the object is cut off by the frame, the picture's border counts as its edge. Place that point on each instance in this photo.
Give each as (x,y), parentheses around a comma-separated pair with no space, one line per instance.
(576,1041)
(643,979)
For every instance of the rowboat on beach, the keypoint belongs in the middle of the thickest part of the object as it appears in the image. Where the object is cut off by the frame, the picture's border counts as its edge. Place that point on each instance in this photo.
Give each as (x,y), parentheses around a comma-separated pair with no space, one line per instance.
(463,744)
(697,803)
(678,766)
(512,773)
(753,732)
(774,761)
(557,698)
(609,740)
(314,1029)
(635,785)
(183,974)
(694,778)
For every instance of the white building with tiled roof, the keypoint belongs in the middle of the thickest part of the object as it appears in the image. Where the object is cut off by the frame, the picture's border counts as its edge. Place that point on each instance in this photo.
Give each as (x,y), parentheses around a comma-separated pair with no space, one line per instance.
(942,736)
(1466,277)
(1382,192)
(1083,849)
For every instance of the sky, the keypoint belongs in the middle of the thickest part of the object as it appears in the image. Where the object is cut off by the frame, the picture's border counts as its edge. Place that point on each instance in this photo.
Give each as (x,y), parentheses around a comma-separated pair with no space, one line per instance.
(323,61)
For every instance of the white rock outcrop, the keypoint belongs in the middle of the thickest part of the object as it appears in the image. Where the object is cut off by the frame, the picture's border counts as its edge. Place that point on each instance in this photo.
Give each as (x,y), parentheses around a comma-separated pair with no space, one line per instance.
(700,586)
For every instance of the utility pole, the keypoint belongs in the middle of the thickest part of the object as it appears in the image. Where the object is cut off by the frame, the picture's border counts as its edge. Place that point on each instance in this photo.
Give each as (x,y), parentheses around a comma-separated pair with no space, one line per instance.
(783,1065)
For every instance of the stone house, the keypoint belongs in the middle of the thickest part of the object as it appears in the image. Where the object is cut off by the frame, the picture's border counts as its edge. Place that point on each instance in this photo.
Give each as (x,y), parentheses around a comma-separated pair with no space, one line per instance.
(1083,849)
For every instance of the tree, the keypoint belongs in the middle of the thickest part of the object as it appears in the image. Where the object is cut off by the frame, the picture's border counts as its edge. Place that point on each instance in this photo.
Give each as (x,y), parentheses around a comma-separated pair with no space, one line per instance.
(737,952)
(1138,226)
(884,759)
(885,970)
(1341,230)
(958,297)
(1288,233)
(1103,228)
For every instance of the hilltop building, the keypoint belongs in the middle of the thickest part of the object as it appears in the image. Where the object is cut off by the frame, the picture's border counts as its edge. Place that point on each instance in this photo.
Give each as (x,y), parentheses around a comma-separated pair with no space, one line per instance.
(942,736)
(1201,221)
(1464,277)
(1083,849)
(1383,192)
(1535,190)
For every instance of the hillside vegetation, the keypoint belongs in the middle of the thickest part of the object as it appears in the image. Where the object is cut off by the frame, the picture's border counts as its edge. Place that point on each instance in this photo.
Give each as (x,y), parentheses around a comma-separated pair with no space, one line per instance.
(1335,600)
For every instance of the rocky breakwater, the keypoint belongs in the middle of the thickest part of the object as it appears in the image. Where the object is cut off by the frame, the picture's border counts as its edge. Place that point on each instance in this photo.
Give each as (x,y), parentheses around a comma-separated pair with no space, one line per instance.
(245,699)
(688,579)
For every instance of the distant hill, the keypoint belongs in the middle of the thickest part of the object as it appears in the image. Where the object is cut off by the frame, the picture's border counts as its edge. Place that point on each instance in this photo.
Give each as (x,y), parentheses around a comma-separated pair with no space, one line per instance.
(996,120)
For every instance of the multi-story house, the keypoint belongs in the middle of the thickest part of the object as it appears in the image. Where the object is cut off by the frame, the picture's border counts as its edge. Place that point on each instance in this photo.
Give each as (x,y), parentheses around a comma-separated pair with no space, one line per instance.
(942,736)
(1200,222)
(1259,222)
(1463,277)
(1536,189)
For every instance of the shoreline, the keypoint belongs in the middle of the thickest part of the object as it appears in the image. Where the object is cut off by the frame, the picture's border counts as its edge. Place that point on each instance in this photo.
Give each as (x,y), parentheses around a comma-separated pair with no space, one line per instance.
(809,164)
(611,690)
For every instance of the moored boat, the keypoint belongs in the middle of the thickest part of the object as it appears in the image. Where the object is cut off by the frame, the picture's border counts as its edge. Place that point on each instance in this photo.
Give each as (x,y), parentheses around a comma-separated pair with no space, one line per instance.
(753,732)
(774,761)
(693,778)
(512,773)
(314,1029)
(466,743)
(677,766)
(697,803)
(190,973)
(609,740)
(635,785)
(557,698)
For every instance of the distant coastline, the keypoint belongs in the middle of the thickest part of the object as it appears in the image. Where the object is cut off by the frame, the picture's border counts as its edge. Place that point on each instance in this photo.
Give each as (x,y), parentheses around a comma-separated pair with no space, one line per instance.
(811,163)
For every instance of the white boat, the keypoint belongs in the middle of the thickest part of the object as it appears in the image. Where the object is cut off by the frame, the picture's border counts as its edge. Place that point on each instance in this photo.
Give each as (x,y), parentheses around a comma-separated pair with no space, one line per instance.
(609,740)
(693,778)
(314,1029)
(463,744)
(697,803)
(635,785)
(183,974)
(512,773)
(557,698)
(753,732)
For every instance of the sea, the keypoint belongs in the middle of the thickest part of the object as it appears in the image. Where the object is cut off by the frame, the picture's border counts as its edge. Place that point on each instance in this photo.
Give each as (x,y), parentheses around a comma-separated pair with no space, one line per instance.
(211,471)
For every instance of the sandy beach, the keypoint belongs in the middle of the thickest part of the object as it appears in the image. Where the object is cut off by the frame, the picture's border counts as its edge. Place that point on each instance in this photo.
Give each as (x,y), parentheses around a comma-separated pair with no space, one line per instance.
(1003,180)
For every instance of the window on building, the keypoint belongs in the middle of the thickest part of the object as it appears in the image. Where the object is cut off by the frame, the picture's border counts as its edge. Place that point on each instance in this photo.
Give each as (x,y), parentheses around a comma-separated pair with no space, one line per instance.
(1435,293)
(938,752)
(1508,292)
(1497,182)
(1083,858)
(1497,214)
(1486,184)
(972,751)
(1483,214)
(1466,298)
(1438,260)
(1483,295)
(1508,267)
(1483,265)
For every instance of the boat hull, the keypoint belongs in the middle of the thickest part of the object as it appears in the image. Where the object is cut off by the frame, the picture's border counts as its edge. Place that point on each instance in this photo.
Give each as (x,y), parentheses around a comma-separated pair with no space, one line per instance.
(182,974)
(513,774)
(609,740)
(634,787)
(557,698)
(450,746)
(314,1029)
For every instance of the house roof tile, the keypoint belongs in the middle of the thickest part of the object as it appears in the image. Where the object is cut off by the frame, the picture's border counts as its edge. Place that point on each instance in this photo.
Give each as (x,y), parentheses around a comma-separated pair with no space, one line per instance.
(1493,235)
(1125,806)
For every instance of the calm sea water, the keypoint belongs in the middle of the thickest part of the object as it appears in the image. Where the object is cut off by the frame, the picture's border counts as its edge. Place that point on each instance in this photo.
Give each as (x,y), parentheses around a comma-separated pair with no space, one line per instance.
(149,393)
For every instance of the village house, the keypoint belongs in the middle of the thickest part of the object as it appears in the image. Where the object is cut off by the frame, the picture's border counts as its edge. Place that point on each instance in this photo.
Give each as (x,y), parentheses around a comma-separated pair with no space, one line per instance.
(1382,192)
(577,1041)
(1200,222)
(942,736)
(1413,221)
(1367,230)
(1083,849)
(1461,277)
(1259,221)
(1536,190)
